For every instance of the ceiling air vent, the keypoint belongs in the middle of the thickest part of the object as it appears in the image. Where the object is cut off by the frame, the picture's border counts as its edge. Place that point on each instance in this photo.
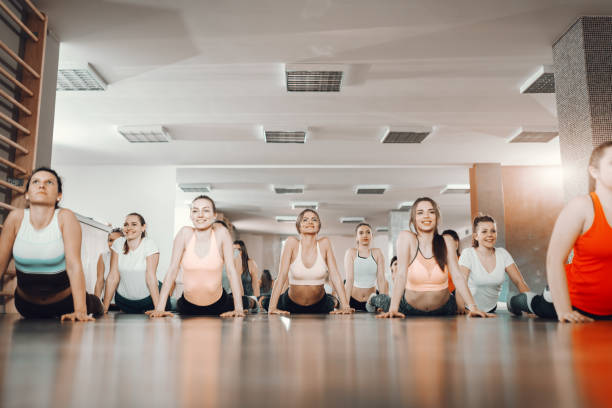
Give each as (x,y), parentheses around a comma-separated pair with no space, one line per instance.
(275,136)
(382,229)
(195,187)
(288,189)
(144,134)
(79,78)
(313,77)
(405,206)
(351,220)
(542,81)
(286,218)
(398,136)
(525,136)
(304,205)
(376,189)
(456,189)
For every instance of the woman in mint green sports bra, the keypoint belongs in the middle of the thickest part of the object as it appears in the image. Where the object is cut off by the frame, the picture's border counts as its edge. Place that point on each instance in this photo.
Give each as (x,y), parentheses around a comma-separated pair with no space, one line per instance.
(45,242)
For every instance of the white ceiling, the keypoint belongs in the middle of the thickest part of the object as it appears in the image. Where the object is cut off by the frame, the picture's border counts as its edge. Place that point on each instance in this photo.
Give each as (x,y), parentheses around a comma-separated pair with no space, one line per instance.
(212,73)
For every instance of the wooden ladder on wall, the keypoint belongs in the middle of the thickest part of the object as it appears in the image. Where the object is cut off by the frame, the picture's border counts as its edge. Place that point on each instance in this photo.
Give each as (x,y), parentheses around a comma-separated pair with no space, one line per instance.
(21,76)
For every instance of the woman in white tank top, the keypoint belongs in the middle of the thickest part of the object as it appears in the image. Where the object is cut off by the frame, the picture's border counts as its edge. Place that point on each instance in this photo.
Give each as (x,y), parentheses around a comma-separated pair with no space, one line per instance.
(305,263)
(364,269)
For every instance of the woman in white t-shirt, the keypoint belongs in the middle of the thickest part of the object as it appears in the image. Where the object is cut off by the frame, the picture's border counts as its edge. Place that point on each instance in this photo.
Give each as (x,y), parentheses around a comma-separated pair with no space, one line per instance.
(485,266)
(133,272)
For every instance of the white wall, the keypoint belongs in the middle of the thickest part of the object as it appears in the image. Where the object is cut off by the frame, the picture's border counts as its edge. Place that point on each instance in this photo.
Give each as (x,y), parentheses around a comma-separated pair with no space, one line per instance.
(109,193)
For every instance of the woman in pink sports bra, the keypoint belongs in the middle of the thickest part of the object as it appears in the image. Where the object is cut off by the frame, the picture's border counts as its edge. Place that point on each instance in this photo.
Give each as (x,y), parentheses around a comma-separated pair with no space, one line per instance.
(424,261)
(201,252)
(306,262)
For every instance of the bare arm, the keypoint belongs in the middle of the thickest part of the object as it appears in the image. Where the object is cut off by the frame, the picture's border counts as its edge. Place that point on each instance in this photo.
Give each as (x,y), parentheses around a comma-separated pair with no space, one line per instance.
(99,277)
(283,274)
(380,273)
(568,227)
(71,234)
(349,271)
(112,280)
(334,275)
(517,278)
(178,248)
(460,281)
(406,244)
(254,277)
(465,271)
(235,282)
(7,239)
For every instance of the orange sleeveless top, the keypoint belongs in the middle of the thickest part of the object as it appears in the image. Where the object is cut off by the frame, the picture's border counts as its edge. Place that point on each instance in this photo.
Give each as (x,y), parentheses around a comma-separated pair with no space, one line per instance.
(589,276)
(202,276)
(425,275)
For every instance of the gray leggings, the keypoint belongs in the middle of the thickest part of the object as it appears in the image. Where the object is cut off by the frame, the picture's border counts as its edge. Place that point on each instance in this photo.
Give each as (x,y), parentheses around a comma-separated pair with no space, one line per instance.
(384,302)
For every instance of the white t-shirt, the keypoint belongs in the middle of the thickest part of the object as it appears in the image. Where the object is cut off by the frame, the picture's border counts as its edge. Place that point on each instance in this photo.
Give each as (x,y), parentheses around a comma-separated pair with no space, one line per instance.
(133,268)
(485,286)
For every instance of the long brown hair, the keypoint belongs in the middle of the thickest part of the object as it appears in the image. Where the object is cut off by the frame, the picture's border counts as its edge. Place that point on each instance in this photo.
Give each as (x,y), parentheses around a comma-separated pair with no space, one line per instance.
(439,245)
(595,160)
(126,248)
(244,255)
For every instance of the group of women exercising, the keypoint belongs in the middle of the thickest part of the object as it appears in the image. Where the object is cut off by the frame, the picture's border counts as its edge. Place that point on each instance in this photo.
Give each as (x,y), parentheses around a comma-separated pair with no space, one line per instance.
(429,275)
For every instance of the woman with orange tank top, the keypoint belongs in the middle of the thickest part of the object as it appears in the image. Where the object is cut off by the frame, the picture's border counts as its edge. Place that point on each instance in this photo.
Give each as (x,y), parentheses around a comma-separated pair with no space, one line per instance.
(424,260)
(580,291)
(201,252)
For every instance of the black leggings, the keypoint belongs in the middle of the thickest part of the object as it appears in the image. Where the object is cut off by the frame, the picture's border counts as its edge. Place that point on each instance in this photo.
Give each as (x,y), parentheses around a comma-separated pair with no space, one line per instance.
(137,306)
(383,302)
(53,310)
(224,304)
(325,305)
(357,305)
(545,309)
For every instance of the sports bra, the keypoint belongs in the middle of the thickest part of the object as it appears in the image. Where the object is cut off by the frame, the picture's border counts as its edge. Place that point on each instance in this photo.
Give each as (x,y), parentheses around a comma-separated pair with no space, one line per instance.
(39,251)
(364,271)
(300,275)
(425,275)
(202,276)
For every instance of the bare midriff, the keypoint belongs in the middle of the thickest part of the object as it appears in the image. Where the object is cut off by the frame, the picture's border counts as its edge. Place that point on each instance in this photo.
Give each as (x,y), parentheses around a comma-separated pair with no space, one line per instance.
(426,301)
(362,294)
(306,295)
(45,300)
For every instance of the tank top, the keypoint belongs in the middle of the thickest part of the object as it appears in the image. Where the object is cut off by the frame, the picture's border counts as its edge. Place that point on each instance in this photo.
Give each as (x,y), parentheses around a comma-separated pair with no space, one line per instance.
(364,271)
(39,251)
(589,276)
(247,284)
(202,276)
(425,275)
(299,274)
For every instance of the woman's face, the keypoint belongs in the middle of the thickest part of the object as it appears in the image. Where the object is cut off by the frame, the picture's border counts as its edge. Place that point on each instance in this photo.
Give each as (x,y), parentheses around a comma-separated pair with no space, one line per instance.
(603,174)
(132,228)
(394,268)
(486,234)
(364,235)
(112,237)
(202,214)
(310,223)
(237,251)
(425,217)
(43,189)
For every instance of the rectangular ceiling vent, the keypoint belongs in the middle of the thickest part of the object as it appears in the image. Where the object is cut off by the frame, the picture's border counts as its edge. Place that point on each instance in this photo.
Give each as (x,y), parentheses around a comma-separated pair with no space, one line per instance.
(404,137)
(144,134)
(376,189)
(456,189)
(405,206)
(80,78)
(313,77)
(276,136)
(195,187)
(286,218)
(382,229)
(523,136)
(542,81)
(288,189)
(351,220)
(305,205)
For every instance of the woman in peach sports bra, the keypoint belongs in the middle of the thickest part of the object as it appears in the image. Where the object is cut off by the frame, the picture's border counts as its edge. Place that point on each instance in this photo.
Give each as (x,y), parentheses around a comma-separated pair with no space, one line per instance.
(424,261)
(306,262)
(201,252)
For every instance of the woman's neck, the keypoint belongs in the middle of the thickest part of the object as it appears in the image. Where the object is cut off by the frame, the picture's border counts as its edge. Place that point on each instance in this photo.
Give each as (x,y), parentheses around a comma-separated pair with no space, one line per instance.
(41,215)
(203,233)
(604,194)
(308,239)
(484,250)
(363,248)
(133,243)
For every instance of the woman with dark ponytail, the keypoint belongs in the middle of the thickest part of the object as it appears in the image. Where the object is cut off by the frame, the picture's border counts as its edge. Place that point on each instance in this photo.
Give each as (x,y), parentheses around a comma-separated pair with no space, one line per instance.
(424,260)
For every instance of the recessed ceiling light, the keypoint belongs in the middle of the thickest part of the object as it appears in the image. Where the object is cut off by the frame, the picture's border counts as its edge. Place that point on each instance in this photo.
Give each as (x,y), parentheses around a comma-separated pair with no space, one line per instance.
(456,189)
(144,134)
(351,220)
(371,189)
(286,218)
(405,206)
(295,189)
(542,81)
(72,77)
(302,205)
(195,187)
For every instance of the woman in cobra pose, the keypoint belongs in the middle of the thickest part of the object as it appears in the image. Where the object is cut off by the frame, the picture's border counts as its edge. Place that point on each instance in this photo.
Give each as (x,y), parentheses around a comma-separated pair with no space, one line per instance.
(45,242)
(424,260)
(248,272)
(202,251)
(364,269)
(306,293)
